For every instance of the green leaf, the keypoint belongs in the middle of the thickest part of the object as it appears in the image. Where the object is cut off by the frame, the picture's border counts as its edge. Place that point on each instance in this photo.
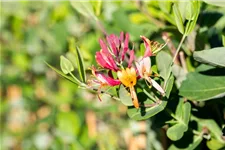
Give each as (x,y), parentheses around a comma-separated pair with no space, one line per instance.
(193,16)
(212,126)
(145,113)
(215,3)
(201,87)
(97,4)
(214,56)
(223,40)
(163,61)
(66,65)
(80,64)
(74,80)
(176,132)
(182,116)
(85,9)
(178,18)
(183,112)
(215,144)
(125,97)
(169,85)
(165,6)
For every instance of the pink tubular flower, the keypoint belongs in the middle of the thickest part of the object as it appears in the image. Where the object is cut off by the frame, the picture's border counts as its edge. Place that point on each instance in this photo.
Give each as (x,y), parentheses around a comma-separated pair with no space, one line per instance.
(151,47)
(144,70)
(113,53)
(103,80)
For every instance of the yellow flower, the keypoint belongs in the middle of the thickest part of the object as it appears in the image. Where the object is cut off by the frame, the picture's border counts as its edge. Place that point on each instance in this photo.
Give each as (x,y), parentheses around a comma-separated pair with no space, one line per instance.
(129,79)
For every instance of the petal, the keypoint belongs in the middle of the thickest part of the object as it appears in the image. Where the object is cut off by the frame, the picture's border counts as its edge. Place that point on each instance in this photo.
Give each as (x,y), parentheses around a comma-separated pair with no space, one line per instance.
(139,68)
(112,45)
(104,47)
(134,97)
(102,62)
(131,58)
(146,62)
(147,43)
(157,86)
(121,36)
(106,61)
(133,75)
(144,66)
(105,79)
(123,77)
(126,46)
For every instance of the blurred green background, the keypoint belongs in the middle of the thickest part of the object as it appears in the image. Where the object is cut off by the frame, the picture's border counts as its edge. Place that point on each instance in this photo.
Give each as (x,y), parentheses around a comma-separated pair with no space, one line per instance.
(39,109)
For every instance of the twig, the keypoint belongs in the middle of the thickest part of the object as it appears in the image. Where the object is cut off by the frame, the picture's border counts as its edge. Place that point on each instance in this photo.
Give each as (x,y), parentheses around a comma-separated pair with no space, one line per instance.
(178,48)
(183,62)
(170,45)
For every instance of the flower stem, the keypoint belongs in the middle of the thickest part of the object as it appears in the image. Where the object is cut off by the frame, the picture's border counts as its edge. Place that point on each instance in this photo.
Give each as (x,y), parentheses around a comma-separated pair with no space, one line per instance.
(179,46)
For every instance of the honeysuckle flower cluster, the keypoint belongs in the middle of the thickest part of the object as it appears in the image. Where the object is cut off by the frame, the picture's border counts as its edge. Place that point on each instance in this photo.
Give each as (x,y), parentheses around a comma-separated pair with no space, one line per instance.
(116,56)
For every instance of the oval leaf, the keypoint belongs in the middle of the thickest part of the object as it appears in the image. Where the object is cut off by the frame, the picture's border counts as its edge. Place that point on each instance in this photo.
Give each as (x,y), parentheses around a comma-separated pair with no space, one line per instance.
(214,57)
(66,65)
(201,87)
(178,18)
(163,61)
(169,85)
(176,132)
(145,113)
(125,97)
(183,112)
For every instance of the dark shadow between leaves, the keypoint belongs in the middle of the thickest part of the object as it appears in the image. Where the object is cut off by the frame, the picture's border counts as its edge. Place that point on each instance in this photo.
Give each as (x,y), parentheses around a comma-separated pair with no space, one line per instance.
(142,98)
(185,140)
(214,72)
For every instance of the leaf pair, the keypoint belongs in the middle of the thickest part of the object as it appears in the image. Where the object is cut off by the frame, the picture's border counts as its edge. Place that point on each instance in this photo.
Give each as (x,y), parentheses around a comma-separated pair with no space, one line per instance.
(67,67)
(181,116)
(186,15)
(209,82)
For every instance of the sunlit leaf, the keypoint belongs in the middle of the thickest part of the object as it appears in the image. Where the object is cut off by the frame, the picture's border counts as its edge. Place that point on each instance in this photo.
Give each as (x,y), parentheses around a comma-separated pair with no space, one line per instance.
(182,116)
(80,64)
(183,112)
(163,61)
(214,56)
(215,144)
(193,16)
(97,4)
(212,126)
(125,96)
(178,18)
(66,65)
(201,87)
(223,40)
(176,132)
(169,85)
(215,3)
(145,113)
